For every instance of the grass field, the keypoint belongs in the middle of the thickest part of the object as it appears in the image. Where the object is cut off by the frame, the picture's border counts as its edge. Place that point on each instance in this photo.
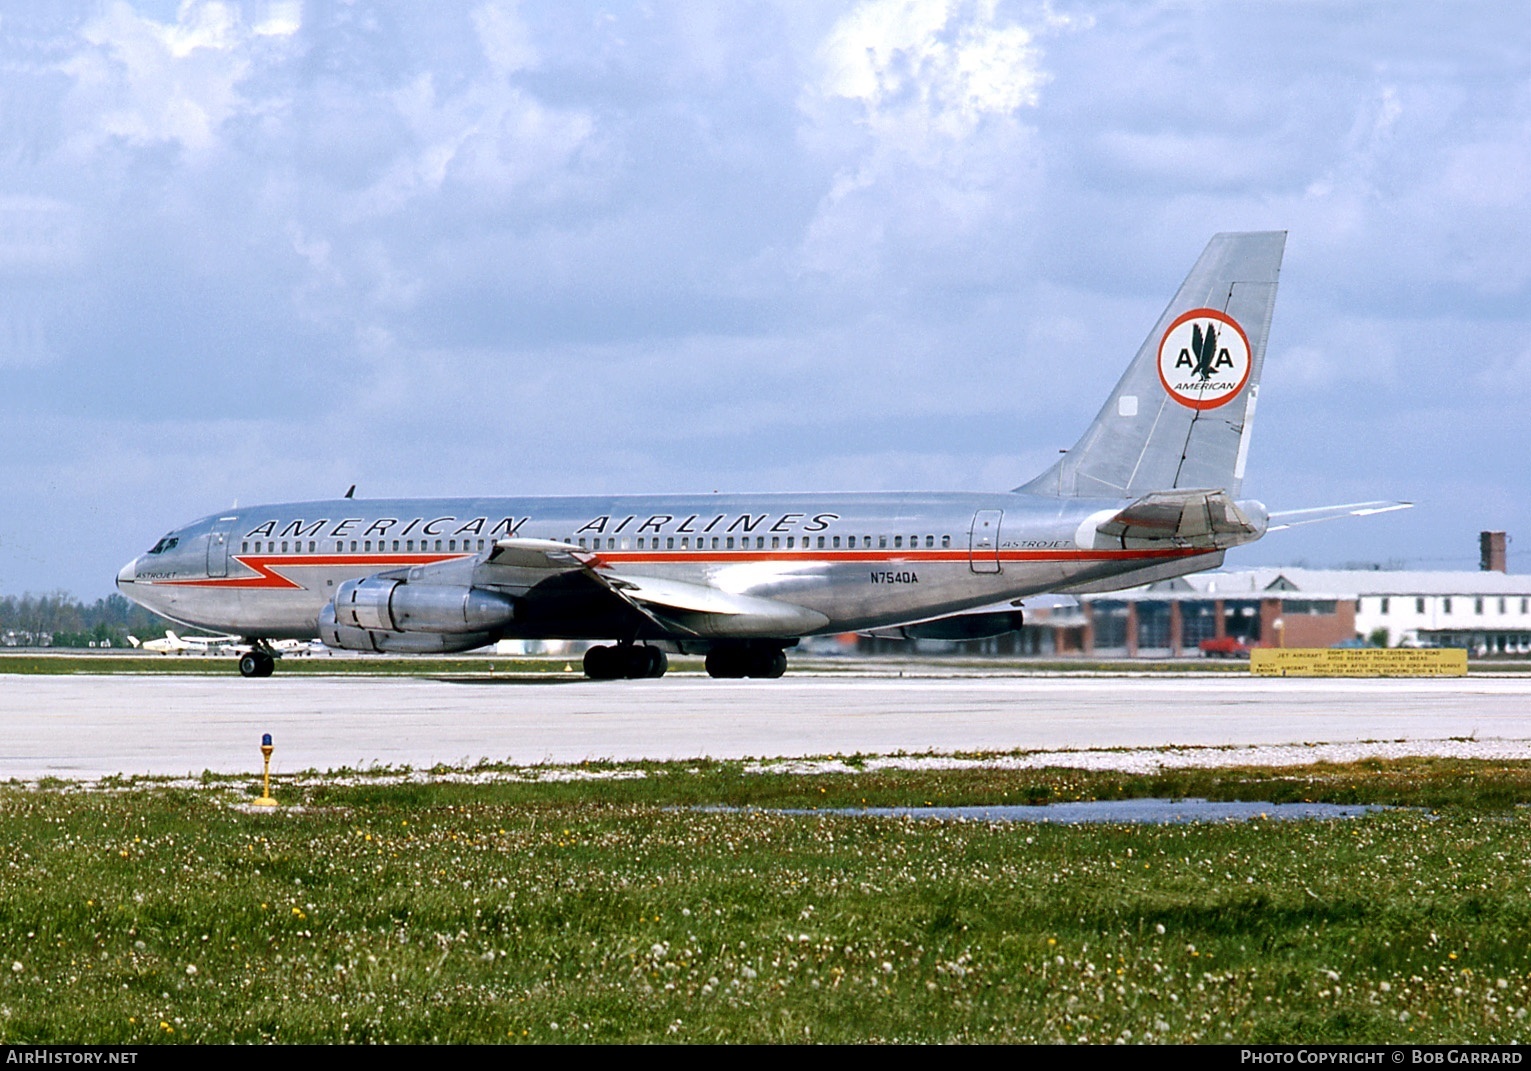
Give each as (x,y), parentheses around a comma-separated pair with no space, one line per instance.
(602,905)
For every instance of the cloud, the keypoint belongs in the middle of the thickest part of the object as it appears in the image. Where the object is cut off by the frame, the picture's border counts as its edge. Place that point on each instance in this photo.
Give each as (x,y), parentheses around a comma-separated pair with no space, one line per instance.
(918,102)
(142,81)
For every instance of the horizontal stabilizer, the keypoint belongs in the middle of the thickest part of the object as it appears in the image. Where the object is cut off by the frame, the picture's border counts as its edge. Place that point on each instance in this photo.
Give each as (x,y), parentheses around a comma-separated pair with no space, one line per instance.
(1190,518)
(1291,518)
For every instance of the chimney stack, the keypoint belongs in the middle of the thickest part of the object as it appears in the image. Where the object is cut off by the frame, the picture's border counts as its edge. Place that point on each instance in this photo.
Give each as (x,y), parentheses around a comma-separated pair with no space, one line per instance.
(1491,552)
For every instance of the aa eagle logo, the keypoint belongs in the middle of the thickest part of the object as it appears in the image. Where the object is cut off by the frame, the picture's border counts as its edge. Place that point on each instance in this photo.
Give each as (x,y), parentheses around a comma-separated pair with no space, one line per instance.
(1204,359)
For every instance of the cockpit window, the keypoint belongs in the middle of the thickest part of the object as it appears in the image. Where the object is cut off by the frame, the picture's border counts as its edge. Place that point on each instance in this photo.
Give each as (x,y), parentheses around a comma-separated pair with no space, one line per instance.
(167,543)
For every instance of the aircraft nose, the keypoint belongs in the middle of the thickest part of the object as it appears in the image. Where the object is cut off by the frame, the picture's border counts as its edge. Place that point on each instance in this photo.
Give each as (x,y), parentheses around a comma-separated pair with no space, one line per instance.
(128,573)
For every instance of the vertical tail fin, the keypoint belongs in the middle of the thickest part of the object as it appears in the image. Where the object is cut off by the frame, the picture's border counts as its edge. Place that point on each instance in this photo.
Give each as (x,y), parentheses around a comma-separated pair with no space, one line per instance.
(1180,416)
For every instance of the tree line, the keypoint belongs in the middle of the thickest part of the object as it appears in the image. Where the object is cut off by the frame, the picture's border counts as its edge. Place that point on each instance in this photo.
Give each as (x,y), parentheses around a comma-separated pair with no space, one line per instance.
(61,620)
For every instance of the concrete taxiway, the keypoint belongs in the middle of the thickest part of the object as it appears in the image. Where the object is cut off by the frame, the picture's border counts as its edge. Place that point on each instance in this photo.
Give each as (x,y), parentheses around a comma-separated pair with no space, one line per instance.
(86,727)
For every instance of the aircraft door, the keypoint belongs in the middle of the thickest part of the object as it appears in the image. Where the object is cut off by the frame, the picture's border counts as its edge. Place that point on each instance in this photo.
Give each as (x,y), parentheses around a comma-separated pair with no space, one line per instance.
(218,553)
(983,541)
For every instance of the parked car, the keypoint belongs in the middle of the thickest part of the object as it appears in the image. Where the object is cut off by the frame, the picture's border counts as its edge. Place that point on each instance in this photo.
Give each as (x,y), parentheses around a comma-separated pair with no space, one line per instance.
(1226,647)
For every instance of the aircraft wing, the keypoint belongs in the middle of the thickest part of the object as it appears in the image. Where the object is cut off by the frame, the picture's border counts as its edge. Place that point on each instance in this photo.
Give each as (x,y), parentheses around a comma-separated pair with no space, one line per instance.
(517,565)
(700,609)
(708,611)
(1291,518)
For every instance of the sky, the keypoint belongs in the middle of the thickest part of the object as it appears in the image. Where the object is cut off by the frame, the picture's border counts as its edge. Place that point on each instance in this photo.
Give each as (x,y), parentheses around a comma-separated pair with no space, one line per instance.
(261,251)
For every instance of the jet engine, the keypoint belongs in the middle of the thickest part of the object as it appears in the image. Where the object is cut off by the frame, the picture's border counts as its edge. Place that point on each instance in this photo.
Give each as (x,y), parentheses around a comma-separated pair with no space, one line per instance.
(382,613)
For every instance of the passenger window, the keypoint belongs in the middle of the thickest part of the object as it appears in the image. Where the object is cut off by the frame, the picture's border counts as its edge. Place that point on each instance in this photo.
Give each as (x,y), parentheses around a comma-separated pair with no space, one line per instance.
(1419,606)
(730,545)
(685,542)
(837,542)
(930,541)
(789,542)
(669,543)
(821,542)
(284,546)
(582,542)
(367,545)
(946,541)
(882,542)
(760,542)
(409,544)
(353,546)
(244,548)
(776,542)
(898,541)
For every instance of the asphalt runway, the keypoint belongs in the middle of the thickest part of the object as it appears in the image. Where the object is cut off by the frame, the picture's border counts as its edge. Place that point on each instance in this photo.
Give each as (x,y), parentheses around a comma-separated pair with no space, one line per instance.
(83,727)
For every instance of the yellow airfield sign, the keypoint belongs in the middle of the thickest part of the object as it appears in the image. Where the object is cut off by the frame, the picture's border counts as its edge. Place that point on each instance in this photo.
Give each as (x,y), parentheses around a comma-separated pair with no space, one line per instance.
(1358,662)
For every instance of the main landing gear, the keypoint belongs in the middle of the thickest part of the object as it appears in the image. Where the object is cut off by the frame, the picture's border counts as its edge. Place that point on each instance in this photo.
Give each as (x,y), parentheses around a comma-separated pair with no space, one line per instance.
(256,662)
(767,662)
(625,660)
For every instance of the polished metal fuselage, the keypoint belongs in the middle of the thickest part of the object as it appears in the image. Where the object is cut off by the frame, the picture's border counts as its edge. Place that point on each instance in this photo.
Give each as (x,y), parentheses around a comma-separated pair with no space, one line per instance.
(861,560)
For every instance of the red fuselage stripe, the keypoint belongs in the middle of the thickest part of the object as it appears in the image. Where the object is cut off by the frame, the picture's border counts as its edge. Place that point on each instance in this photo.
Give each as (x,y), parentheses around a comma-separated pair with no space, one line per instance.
(269,568)
(269,577)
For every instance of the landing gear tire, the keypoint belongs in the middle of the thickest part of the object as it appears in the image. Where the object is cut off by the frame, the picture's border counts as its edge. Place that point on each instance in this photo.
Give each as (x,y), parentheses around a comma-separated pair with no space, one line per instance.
(601,664)
(256,664)
(771,665)
(614,663)
(726,663)
(654,662)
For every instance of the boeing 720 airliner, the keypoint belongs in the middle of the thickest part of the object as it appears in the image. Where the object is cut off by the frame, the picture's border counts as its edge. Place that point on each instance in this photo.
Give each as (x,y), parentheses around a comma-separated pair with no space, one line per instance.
(1150,491)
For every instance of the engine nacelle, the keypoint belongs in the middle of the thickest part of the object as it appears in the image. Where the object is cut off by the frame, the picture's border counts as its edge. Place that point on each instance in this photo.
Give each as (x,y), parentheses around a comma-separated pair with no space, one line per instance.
(381,604)
(378,613)
(350,638)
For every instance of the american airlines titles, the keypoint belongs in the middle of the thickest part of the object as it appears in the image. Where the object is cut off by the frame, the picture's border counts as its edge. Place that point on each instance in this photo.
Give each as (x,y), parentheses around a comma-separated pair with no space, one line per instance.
(744,522)
(385,526)
(608,524)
